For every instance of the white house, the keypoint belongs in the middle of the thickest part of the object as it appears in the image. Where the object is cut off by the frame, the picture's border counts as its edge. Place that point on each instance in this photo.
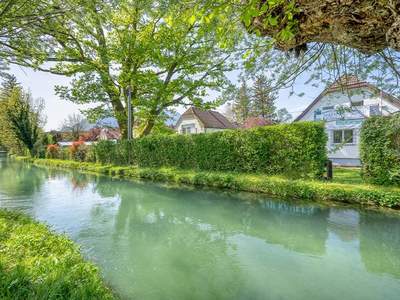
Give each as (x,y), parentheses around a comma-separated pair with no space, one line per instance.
(195,120)
(344,106)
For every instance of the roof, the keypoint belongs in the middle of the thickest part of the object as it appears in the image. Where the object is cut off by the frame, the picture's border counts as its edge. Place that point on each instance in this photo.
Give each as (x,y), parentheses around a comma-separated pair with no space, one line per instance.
(252,122)
(349,82)
(97,133)
(209,118)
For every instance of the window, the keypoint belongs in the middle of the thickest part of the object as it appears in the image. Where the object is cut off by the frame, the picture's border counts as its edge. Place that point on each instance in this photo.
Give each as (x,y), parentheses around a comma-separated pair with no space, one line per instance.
(345,136)
(357,103)
(188,129)
(374,110)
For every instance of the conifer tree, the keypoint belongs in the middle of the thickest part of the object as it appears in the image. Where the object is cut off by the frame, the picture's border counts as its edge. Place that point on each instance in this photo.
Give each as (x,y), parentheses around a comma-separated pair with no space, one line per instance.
(263,98)
(242,103)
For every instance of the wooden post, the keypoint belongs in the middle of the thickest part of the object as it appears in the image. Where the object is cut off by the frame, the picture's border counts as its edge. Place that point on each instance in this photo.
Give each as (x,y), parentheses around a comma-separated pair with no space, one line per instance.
(329,170)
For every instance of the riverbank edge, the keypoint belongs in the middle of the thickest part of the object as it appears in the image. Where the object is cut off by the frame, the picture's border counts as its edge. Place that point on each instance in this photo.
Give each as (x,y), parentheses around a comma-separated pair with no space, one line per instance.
(314,190)
(36,262)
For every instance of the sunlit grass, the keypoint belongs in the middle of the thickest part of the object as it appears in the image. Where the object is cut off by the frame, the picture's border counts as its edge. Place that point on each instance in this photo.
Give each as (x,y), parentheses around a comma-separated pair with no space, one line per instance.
(36,263)
(347,175)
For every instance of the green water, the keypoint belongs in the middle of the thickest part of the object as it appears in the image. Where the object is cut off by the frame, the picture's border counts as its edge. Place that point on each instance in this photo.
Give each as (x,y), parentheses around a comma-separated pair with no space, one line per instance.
(155,242)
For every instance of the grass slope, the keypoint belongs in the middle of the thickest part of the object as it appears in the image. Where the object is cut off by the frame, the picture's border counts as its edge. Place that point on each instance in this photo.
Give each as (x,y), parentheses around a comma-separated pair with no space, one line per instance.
(346,188)
(35,263)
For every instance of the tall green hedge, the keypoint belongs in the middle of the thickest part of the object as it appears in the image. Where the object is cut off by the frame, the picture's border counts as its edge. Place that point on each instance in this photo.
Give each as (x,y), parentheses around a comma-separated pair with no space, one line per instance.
(297,149)
(380,149)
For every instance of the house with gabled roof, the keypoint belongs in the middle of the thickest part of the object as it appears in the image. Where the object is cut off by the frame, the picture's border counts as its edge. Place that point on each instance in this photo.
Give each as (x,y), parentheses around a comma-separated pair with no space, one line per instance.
(344,105)
(195,120)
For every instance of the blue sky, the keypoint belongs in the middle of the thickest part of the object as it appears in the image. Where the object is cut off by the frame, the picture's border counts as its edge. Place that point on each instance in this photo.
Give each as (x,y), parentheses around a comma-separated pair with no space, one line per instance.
(41,85)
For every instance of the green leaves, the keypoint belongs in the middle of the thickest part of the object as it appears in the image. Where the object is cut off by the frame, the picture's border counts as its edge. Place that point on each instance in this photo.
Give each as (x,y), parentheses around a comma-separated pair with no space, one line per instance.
(295,150)
(380,149)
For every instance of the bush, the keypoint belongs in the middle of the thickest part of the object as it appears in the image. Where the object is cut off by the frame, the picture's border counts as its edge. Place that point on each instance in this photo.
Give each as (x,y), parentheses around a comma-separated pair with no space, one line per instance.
(380,149)
(78,151)
(53,151)
(297,149)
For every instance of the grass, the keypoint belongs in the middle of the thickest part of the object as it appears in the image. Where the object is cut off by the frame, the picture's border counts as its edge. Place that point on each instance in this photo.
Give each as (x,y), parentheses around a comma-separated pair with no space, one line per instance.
(36,263)
(346,188)
(347,175)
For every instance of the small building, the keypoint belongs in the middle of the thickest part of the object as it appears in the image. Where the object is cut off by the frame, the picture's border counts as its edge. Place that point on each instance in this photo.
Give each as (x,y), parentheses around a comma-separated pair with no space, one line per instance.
(195,120)
(344,105)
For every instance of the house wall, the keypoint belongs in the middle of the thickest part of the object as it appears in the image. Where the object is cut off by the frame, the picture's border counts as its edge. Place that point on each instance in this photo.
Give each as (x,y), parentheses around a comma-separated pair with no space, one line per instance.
(210,130)
(346,154)
(188,120)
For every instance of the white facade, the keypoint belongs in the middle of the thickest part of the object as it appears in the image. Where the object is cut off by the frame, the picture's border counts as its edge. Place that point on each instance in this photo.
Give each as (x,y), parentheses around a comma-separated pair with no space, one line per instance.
(195,121)
(344,113)
(190,126)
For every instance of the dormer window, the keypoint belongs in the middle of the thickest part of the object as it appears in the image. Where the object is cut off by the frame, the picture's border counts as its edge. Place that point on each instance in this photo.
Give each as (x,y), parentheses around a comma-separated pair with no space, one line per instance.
(357,103)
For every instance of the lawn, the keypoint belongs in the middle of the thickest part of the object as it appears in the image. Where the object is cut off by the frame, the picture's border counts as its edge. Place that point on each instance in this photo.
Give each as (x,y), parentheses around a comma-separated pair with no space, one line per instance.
(347,175)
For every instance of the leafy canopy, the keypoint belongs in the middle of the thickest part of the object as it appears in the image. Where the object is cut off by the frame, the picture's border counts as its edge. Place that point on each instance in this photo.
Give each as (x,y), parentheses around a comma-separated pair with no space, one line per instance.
(167,53)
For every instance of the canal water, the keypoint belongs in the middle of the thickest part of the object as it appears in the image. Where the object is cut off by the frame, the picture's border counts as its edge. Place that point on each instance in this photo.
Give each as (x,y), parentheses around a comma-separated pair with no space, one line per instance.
(157,242)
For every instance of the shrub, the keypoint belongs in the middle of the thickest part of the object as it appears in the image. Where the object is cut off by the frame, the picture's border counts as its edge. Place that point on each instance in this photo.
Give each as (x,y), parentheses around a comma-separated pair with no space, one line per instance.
(53,151)
(297,149)
(78,151)
(380,149)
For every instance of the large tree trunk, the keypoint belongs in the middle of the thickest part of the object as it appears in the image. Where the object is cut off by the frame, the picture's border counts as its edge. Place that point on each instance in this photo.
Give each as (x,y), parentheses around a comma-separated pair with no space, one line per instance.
(148,127)
(367,25)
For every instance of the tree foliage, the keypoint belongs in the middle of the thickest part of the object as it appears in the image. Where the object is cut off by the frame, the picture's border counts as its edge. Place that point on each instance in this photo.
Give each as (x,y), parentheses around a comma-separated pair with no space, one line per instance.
(241,106)
(263,98)
(20,119)
(166,53)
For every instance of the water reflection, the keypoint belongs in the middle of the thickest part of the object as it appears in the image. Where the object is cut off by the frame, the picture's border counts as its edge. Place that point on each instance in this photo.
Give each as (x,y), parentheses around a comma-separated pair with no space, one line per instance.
(380,255)
(17,179)
(155,242)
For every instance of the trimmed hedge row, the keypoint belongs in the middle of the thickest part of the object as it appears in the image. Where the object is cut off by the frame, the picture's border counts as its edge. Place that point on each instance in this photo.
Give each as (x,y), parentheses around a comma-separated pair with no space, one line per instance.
(272,185)
(380,149)
(297,149)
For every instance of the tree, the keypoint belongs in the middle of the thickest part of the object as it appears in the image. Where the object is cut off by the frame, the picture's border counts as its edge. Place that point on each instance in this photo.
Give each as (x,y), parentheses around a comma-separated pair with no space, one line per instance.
(21,119)
(17,18)
(242,104)
(369,26)
(166,53)
(75,124)
(263,98)
(283,116)
(7,136)
(7,86)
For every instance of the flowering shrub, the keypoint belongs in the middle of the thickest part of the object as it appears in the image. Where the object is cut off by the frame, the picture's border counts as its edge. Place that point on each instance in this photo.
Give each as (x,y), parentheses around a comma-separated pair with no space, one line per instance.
(78,151)
(53,151)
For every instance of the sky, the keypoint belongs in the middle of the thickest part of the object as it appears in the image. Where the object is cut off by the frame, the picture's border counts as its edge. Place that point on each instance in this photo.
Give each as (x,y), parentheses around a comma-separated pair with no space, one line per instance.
(41,85)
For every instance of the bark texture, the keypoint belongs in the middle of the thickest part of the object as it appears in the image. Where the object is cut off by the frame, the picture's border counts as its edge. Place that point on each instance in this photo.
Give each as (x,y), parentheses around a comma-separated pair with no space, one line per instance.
(367,25)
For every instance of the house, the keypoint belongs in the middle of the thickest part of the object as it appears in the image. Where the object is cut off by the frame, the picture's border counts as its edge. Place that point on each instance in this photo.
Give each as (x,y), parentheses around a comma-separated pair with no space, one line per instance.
(252,122)
(195,120)
(344,105)
(101,134)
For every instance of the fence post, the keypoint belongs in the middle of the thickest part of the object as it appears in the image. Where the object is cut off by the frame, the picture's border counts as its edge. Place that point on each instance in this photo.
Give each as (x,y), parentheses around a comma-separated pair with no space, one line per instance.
(329,170)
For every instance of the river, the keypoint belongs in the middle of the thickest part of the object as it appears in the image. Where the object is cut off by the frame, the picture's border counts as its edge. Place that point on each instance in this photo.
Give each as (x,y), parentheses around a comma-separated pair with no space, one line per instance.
(153,241)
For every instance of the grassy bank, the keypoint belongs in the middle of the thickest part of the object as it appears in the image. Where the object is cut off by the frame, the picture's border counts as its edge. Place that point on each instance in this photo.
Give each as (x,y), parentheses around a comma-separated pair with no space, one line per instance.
(353,192)
(36,263)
